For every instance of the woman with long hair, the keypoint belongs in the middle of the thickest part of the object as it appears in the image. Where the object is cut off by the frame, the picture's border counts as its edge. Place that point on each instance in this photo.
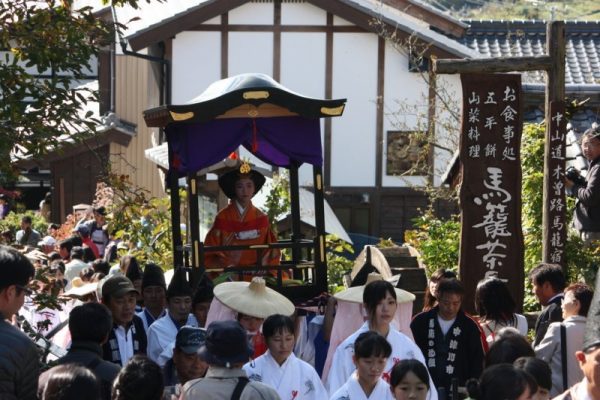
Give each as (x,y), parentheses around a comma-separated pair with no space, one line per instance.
(430,299)
(502,381)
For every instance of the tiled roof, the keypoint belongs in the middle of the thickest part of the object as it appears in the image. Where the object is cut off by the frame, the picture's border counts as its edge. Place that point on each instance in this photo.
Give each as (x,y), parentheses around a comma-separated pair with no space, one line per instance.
(528,38)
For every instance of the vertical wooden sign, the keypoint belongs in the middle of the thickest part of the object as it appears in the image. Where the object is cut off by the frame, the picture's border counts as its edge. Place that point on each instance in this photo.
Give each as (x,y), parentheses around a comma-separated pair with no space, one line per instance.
(490,193)
(555,223)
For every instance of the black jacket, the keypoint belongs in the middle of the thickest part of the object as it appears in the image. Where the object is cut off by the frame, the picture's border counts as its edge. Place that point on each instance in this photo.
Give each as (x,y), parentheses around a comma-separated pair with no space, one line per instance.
(552,313)
(587,208)
(19,364)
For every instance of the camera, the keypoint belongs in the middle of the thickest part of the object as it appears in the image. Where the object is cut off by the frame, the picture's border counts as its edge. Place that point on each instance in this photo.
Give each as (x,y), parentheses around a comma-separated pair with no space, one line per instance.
(572,174)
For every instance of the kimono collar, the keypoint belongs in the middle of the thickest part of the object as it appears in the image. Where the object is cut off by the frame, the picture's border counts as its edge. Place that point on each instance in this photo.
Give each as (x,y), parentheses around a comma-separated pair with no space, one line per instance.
(275,363)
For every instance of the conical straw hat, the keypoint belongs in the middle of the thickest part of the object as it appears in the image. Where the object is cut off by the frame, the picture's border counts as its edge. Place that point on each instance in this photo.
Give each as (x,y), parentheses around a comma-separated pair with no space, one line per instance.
(355,294)
(253,298)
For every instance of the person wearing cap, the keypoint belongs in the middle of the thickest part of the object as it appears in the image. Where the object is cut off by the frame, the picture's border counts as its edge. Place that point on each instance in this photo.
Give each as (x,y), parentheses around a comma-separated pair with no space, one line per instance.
(127,337)
(201,300)
(226,350)
(27,236)
(452,341)
(84,233)
(98,230)
(588,356)
(586,218)
(380,300)
(154,295)
(280,368)
(47,244)
(185,364)
(162,333)
(240,223)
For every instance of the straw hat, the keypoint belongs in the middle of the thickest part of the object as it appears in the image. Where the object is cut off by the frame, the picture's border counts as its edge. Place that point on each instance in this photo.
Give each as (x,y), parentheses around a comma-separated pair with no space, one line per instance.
(253,298)
(355,294)
(80,288)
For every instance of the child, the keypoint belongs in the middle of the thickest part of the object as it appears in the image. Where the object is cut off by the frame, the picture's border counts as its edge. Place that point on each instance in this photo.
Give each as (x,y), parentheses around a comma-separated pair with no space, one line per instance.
(409,380)
(371,352)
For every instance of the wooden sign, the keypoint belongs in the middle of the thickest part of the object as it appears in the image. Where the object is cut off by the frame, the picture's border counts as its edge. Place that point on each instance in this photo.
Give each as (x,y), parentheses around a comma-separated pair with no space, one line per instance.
(490,194)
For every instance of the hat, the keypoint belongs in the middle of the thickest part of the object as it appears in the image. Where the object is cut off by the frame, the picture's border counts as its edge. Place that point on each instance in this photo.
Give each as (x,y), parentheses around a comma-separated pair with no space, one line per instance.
(80,289)
(82,229)
(226,344)
(134,272)
(117,286)
(253,298)
(179,285)
(355,294)
(100,210)
(190,339)
(204,290)
(591,336)
(153,276)
(227,180)
(47,241)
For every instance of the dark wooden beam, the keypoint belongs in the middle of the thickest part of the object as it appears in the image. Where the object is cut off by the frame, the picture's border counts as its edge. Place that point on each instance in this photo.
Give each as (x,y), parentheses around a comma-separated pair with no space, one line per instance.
(224,46)
(328,94)
(491,65)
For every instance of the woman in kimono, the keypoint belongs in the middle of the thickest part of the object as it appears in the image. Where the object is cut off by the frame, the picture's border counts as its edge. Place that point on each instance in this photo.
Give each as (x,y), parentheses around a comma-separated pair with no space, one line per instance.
(240,223)
(409,380)
(291,377)
(380,301)
(371,352)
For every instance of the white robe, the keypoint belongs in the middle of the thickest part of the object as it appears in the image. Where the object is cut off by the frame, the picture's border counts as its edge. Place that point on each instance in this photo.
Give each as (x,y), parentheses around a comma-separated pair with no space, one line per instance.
(293,380)
(144,318)
(351,390)
(403,348)
(161,336)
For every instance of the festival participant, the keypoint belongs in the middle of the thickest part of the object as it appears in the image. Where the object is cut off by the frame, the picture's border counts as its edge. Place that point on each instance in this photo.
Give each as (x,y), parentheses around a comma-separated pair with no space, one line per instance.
(575,306)
(202,299)
(540,371)
(430,299)
(185,364)
(496,309)
(154,293)
(98,229)
(380,300)
(502,381)
(240,223)
(370,356)
(548,283)
(162,333)
(409,380)
(451,339)
(250,303)
(279,367)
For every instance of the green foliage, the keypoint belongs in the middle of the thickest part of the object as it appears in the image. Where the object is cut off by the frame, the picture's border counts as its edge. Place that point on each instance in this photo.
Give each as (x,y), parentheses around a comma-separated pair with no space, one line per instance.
(337,263)
(12,222)
(278,199)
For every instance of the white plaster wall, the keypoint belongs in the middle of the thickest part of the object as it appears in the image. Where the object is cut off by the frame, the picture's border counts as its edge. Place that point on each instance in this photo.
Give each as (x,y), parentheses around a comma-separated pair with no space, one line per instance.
(353,134)
(302,14)
(448,129)
(405,109)
(303,71)
(196,64)
(250,52)
(252,13)
(340,21)
(212,21)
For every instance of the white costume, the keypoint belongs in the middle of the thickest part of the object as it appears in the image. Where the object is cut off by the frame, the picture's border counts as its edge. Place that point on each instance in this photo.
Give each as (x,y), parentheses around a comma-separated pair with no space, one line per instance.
(403,348)
(294,379)
(161,337)
(351,390)
(146,318)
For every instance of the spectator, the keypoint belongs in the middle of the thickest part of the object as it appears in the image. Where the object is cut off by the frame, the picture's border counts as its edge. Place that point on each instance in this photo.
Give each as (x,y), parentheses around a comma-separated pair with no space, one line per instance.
(502,381)
(47,244)
(575,306)
(74,267)
(46,206)
(162,333)
(509,346)
(202,299)
(154,294)
(4,206)
(226,350)
(185,364)
(496,309)
(52,229)
(135,274)
(27,236)
(101,266)
(280,368)
(540,371)
(127,337)
(84,233)
(409,380)
(64,249)
(430,299)
(548,283)
(99,229)
(71,382)
(451,339)
(140,379)
(89,325)
(19,364)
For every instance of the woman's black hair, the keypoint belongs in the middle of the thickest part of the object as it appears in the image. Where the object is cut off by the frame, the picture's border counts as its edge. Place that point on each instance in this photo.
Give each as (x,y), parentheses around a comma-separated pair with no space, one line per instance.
(494,302)
(140,379)
(429,300)
(539,369)
(277,323)
(409,365)
(371,344)
(502,381)
(71,382)
(507,349)
(375,292)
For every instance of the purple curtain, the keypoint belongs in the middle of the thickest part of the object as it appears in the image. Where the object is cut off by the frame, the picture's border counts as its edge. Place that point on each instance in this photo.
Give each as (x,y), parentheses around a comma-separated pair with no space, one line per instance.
(278,141)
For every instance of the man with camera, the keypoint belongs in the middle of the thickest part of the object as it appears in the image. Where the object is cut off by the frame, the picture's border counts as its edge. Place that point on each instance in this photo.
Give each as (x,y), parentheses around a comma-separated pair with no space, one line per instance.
(587,192)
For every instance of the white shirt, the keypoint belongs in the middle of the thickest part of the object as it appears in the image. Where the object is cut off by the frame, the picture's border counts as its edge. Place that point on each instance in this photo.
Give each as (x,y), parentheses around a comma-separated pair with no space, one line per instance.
(445,325)
(145,321)
(125,342)
(403,348)
(351,390)
(294,379)
(161,337)
(72,270)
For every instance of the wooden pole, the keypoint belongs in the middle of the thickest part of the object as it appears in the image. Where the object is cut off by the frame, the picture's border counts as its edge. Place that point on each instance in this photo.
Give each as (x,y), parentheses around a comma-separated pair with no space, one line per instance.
(508,64)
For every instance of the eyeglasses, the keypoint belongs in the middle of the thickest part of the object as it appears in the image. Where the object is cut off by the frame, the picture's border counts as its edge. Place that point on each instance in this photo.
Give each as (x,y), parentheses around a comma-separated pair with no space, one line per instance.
(25,289)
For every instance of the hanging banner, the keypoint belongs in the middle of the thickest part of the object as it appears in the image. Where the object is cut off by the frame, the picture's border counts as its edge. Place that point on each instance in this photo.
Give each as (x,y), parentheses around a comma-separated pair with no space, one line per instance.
(490,194)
